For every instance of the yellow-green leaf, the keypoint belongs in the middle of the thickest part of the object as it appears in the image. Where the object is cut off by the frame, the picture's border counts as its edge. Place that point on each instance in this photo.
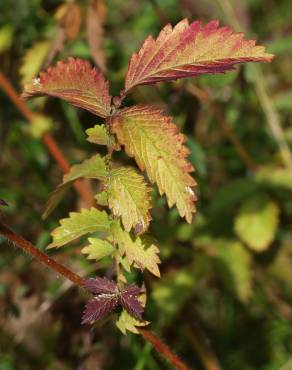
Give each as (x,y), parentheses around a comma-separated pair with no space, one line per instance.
(98,249)
(78,224)
(139,251)
(257,221)
(157,146)
(33,60)
(6,37)
(127,322)
(128,198)
(100,135)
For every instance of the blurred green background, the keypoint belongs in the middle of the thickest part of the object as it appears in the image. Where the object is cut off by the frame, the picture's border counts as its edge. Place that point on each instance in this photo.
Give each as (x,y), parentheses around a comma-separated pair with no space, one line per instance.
(224,299)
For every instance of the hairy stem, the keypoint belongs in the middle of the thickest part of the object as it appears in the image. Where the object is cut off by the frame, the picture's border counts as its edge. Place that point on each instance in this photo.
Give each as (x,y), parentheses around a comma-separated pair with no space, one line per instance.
(43,258)
(48,140)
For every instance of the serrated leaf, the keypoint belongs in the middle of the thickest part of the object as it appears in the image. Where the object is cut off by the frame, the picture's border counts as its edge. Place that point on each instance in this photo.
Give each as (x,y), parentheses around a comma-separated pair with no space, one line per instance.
(98,307)
(78,224)
(98,249)
(100,285)
(154,141)
(188,50)
(99,135)
(139,251)
(76,82)
(92,168)
(126,322)
(33,60)
(257,221)
(128,198)
(101,198)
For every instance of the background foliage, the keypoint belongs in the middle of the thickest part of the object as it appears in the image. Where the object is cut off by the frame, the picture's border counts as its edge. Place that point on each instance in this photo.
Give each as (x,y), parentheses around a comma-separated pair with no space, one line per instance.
(224,299)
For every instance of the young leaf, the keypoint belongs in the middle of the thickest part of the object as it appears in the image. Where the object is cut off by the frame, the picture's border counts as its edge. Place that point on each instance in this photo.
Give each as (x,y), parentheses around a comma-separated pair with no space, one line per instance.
(98,307)
(126,322)
(257,221)
(109,295)
(92,168)
(98,249)
(76,82)
(99,135)
(154,141)
(139,251)
(189,50)
(128,198)
(78,224)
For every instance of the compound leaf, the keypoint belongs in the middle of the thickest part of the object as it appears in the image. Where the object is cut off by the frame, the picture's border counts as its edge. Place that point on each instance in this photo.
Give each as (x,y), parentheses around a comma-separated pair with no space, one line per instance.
(76,82)
(154,141)
(98,307)
(139,251)
(188,50)
(78,224)
(98,249)
(257,221)
(128,198)
(126,322)
(99,135)
(100,285)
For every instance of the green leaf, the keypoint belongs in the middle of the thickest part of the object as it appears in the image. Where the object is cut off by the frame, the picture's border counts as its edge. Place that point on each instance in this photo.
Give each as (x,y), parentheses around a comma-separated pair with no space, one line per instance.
(33,60)
(6,37)
(40,125)
(139,251)
(92,168)
(257,221)
(237,261)
(98,249)
(275,177)
(128,198)
(100,135)
(78,224)
(128,323)
(157,146)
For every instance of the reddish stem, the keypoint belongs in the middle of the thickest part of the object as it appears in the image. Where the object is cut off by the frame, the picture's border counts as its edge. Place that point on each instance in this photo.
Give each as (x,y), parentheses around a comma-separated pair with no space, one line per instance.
(28,247)
(48,140)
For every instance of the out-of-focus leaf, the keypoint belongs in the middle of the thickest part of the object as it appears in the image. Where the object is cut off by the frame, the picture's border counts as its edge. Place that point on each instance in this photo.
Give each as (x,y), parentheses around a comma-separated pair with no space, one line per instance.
(76,82)
(140,251)
(78,224)
(128,198)
(232,193)
(6,37)
(256,222)
(275,177)
(94,31)
(40,125)
(33,60)
(237,262)
(188,50)
(98,249)
(283,100)
(154,141)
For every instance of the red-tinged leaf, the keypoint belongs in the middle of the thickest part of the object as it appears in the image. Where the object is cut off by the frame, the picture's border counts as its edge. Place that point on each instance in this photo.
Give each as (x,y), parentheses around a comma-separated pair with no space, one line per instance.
(188,50)
(132,289)
(100,306)
(131,304)
(154,141)
(101,286)
(76,82)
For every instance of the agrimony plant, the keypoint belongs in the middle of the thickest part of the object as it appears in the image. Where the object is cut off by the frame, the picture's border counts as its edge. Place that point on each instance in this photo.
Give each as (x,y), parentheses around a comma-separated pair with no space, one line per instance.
(147,135)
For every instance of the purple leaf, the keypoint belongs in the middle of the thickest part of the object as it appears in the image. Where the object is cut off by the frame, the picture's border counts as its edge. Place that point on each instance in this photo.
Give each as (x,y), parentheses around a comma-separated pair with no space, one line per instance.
(98,307)
(132,289)
(101,286)
(131,304)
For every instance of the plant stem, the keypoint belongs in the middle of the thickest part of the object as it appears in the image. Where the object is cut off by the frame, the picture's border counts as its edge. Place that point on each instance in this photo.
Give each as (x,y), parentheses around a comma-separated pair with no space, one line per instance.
(47,139)
(43,258)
